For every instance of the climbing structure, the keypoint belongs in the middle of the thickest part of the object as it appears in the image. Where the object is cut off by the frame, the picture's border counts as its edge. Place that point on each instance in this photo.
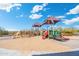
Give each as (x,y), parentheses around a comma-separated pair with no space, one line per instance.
(55,34)
(51,21)
(36,27)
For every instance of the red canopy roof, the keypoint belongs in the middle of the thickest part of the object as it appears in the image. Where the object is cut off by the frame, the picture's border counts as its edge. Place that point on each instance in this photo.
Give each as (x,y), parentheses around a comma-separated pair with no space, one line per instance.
(37,25)
(51,20)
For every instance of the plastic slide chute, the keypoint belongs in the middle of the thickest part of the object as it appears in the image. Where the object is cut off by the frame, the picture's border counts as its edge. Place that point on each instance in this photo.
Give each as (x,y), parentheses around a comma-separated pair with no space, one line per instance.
(45,35)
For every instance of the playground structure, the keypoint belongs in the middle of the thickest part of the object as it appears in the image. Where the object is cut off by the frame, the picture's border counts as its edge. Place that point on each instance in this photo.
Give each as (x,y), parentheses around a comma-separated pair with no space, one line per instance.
(51,33)
(36,30)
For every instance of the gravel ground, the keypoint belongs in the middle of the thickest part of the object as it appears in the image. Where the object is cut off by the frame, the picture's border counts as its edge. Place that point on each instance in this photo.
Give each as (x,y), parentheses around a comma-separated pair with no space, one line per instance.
(7,52)
(73,42)
(5,38)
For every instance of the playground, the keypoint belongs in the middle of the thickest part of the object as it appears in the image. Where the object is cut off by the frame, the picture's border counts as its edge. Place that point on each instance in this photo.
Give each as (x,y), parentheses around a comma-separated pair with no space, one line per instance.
(50,40)
(51,33)
(28,45)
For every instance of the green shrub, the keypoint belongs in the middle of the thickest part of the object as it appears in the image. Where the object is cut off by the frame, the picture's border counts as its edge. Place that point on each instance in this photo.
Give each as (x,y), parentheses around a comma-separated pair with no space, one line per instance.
(3,31)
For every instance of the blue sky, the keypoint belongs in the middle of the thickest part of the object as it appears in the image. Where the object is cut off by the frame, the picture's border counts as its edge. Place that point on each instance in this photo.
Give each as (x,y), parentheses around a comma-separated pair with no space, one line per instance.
(22,16)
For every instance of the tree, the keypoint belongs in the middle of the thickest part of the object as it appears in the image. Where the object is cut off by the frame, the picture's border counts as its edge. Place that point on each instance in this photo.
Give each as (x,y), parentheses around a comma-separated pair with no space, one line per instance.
(3,31)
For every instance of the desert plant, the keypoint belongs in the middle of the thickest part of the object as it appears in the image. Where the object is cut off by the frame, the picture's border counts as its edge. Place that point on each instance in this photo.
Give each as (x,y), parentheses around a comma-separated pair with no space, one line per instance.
(68,31)
(3,31)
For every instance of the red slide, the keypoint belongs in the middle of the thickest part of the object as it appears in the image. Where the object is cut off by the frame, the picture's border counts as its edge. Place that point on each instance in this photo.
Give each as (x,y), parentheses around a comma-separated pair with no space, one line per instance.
(45,35)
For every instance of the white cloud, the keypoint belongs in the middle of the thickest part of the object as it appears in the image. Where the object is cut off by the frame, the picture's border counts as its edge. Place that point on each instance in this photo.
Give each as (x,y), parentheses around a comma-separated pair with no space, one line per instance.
(45,9)
(10,29)
(74,10)
(18,8)
(71,21)
(7,7)
(38,8)
(49,15)
(35,16)
(76,26)
(45,4)
(60,16)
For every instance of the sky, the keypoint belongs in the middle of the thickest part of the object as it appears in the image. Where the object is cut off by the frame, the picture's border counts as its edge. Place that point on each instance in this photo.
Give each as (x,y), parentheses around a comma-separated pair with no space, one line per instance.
(21,16)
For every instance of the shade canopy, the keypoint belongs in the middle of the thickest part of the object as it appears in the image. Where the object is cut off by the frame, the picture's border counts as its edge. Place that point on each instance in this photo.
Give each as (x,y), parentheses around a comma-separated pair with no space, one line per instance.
(37,25)
(51,20)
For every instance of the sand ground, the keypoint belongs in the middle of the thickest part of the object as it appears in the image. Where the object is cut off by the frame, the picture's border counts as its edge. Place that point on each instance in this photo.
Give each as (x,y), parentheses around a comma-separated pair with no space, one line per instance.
(73,42)
(27,45)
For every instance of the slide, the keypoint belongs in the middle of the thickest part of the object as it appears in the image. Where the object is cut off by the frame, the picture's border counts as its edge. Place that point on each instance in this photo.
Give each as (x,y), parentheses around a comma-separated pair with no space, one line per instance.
(61,38)
(45,35)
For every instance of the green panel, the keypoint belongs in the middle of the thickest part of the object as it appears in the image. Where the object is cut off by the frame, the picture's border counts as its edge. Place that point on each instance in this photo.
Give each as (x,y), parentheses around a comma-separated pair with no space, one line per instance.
(54,33)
